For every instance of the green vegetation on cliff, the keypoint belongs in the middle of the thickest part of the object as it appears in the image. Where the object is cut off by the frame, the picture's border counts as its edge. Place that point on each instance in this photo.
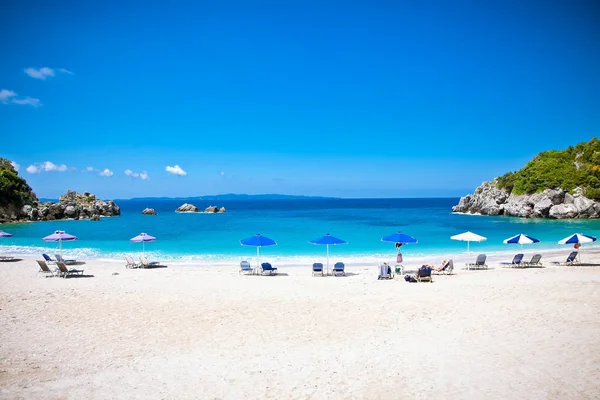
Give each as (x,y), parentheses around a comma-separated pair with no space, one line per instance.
(577,166)
(14,190)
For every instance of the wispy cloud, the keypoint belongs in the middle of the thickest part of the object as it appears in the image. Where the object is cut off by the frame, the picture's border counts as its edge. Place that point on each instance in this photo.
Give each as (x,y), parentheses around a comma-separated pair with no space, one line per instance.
(45,72)
(175,170)
(46,166)
(142,175)
(222,173)
(106,172)
(88,169)
(15,166)
(41,73)
(10,97)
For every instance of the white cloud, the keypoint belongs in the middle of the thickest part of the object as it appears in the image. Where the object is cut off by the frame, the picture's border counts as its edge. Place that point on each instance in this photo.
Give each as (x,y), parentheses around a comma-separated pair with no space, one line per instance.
(222,173)
(66,71)
(143,175)
(176,170)
(89,169)
(106,172)
(46,166)
(49,166)
(32,101)
(10,97)
(6,95)
(15,166)
(41,73)
(32,169)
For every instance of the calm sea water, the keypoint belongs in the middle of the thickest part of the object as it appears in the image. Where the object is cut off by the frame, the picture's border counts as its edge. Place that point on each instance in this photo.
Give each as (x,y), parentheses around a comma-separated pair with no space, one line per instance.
(215,238)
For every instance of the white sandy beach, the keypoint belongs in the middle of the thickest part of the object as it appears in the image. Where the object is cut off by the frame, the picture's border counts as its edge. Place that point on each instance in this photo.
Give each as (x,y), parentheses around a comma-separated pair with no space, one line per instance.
(196,332)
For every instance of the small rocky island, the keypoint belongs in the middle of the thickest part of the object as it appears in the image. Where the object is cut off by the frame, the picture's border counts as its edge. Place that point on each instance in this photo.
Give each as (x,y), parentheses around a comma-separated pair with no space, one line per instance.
(149,211)
(555,184)
(190,208)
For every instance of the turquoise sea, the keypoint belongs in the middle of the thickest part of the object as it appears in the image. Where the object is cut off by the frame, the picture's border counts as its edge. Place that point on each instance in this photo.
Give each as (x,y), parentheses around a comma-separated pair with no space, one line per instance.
(214,238)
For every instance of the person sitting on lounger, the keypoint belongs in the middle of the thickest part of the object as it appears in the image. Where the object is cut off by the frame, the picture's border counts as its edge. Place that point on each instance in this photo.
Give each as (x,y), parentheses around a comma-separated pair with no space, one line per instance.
(438,269)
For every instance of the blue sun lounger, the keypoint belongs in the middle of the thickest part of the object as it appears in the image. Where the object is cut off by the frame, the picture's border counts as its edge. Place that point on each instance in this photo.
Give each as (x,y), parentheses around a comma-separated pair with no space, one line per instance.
(246,267)
(266,267)
(338,269)
(317,269)
(516,262)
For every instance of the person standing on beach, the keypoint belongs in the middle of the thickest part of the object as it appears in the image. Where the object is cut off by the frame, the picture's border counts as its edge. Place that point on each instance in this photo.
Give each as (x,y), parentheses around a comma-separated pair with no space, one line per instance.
(399,256)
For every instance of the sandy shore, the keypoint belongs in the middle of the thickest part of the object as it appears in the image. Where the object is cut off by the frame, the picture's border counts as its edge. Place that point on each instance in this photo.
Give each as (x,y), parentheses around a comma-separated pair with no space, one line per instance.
(198,332)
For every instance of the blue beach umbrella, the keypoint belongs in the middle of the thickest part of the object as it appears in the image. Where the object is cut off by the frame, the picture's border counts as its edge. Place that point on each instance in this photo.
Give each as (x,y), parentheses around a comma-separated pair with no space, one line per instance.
(521,239)
(328,240)
(143,237)
(258,241)
(577,238)
(399,237)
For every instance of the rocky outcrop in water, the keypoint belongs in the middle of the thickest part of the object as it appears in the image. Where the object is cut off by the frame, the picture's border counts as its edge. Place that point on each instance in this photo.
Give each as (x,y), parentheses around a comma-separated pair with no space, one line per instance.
(488,199)
(185,208)
(71,205)
(149,211)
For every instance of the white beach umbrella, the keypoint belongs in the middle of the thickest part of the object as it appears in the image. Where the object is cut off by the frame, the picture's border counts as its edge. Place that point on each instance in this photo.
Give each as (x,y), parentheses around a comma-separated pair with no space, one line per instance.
(468,237)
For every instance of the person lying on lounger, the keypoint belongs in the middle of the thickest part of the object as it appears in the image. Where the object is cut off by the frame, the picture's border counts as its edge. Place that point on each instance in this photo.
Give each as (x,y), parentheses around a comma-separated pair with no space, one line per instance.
(434,268)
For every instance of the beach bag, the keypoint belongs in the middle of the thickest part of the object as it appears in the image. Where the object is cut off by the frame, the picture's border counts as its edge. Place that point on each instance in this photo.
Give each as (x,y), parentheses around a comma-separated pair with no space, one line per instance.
(399,258)
(410,278)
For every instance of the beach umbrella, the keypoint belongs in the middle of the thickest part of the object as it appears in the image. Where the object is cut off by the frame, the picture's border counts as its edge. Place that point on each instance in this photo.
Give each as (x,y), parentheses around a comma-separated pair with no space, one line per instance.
(258,241)
(5,234)
(399,237)
(468,237)
(577,238)
(328,240)
(59,236)
(521,239)
(143,237)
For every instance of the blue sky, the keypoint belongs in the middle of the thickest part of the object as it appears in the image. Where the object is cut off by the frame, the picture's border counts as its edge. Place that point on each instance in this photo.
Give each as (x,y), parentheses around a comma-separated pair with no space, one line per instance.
(349,99)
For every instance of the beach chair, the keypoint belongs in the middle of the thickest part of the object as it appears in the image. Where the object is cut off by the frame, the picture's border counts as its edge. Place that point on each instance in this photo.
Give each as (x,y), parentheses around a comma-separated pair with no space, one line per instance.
(338,269)
(130,263)
(46,270)
(447,269)
(266,267)
(535,261)
(62,260)
(424,274)
(246,268)
(147,264)
(385,272)
(571,260)
(48,259)
(317,269)
(65,272)
(479,262)
(516,261)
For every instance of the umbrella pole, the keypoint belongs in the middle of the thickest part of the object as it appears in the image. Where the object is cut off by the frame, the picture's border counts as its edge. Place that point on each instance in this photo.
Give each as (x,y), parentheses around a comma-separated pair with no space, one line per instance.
(327,258)
(468,247)
(60,246)
(257,256)
(143,248)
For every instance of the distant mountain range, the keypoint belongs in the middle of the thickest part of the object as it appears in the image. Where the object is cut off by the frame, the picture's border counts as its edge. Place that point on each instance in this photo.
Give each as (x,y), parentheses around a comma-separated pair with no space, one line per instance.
(232,196)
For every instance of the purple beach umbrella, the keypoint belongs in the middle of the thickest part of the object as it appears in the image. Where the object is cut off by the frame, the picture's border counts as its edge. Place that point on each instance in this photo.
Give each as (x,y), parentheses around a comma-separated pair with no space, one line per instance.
(59,236)
(5,234)
(143,237)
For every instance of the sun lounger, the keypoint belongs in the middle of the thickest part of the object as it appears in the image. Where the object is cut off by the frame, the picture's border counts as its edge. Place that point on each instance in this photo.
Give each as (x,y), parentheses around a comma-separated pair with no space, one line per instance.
(65,272)
(130,262)
(62,260)
(338,269)
(46,270)
(424,274)
(6,258)
(479,262)
(516,261)
(266,267)
(147,264)
(446,269)
(571,260)
(385,272)
(246,268)
(535,261)
(317,268)
(48,259)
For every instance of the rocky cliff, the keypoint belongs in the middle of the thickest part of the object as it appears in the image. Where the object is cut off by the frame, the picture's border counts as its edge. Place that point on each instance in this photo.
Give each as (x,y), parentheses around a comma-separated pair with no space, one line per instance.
(489,199)
(71,205)
(14,192)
